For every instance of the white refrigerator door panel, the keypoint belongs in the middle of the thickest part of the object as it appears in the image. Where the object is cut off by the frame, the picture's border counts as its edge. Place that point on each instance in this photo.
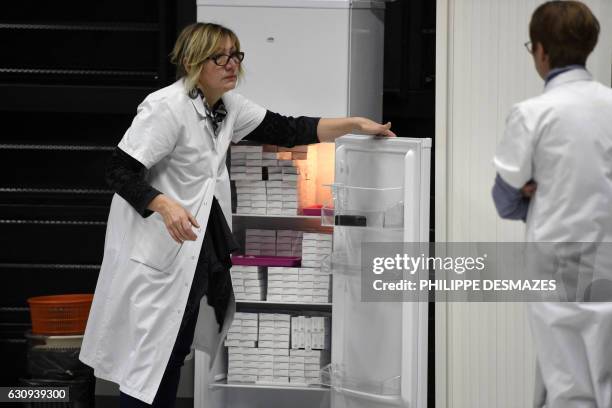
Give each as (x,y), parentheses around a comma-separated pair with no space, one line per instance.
(379,353)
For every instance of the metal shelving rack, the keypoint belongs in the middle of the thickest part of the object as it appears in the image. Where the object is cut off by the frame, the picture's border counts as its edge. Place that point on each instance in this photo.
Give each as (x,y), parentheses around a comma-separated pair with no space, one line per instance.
(71,76)
(223,392)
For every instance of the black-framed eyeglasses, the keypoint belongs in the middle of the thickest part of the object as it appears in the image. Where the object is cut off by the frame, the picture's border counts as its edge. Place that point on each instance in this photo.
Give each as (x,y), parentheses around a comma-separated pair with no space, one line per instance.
(224,59)
(529,47)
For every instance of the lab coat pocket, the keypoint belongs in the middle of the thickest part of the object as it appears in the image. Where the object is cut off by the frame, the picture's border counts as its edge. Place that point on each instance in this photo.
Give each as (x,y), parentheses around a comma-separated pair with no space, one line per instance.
(154,247)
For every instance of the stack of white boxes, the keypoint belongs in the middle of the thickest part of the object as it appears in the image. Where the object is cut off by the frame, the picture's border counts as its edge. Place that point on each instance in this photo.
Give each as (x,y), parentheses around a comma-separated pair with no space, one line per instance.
(301,285)
(246,163)
(247,171)
(260,242)
(260,365)
(270,162)
(289,175)
(242,364)
(248,282)
(305,365)
(281,196)
(289,187)
(274,196)
(316,248)
(268,358)
(310,333)
(288,243)
(297,152)
(274,330)
(243,356)
(251,197)
(243,331)
(250,165)
(269,361)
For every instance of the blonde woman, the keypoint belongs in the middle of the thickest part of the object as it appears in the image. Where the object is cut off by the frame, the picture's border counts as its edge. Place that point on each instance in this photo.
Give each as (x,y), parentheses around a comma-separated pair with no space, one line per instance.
(164,284)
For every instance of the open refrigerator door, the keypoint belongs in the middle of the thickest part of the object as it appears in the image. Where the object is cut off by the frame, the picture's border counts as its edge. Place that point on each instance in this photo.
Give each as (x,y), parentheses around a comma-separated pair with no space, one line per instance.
(379,349)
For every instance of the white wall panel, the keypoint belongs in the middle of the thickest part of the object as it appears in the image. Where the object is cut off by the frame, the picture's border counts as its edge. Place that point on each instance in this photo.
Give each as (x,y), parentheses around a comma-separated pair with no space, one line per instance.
(482,70)
(296,59)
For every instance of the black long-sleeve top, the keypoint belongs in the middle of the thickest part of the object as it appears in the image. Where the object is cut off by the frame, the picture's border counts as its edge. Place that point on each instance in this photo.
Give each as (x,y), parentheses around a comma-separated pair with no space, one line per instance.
(127,177)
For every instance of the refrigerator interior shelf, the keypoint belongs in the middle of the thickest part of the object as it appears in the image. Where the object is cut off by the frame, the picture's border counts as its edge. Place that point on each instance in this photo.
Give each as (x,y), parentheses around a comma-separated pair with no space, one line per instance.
(308,217)
(283,304)
(269,386)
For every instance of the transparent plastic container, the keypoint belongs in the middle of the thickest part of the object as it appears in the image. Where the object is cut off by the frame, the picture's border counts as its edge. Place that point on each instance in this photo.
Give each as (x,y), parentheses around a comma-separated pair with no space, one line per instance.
(348,241)
(351,388)
(364,207)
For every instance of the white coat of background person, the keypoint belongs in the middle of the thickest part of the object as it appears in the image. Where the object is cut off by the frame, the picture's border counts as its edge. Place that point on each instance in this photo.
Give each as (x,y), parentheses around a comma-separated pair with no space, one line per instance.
(554,166)
(149,263)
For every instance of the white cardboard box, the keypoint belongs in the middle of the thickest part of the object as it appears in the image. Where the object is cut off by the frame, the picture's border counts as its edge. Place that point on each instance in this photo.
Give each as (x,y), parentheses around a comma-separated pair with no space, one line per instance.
(247,149)
(260,232)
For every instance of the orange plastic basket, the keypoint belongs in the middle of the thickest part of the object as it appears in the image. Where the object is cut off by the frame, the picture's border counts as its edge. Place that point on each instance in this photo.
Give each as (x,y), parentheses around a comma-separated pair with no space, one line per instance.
(61,314)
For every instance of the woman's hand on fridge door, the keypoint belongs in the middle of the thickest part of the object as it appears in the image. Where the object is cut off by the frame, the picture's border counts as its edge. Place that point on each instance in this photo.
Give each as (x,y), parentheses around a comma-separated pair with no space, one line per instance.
(329,129)
(178,221)
(369,127)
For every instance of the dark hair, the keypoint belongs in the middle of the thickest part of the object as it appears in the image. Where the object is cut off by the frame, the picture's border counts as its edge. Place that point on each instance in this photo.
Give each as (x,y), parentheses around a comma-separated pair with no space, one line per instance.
(567,30)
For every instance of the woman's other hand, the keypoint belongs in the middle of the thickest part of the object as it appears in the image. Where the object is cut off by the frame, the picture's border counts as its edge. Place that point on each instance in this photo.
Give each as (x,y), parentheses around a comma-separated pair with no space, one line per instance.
(178,221)
(369,127)
(529,189)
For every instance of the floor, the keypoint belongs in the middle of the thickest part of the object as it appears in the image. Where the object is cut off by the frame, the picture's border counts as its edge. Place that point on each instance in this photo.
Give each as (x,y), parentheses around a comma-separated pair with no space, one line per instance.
(113,402)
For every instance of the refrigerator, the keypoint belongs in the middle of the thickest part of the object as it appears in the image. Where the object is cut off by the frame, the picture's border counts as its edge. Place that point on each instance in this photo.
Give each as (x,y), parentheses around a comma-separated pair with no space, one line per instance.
(379,349)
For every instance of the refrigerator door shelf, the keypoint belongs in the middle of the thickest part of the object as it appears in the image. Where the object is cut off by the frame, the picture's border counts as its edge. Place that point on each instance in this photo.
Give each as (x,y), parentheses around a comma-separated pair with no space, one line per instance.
(385,392)
(380,400)
(346,256)
(366,206)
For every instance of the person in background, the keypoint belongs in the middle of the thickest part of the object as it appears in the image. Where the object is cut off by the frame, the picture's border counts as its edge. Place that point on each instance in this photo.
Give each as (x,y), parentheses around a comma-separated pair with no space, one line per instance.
(554,171)
(164,283)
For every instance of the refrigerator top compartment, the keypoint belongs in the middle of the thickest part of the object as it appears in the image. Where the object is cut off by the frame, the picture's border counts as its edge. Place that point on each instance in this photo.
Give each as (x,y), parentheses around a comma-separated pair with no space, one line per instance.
(377,182)
(375,162)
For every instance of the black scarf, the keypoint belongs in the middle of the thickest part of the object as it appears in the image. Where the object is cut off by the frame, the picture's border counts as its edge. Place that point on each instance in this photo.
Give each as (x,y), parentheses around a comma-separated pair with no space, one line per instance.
(216,114)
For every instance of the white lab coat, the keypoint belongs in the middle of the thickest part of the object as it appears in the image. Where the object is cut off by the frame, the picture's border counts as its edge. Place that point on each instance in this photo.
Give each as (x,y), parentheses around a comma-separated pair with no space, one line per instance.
(562,139)
(145,276)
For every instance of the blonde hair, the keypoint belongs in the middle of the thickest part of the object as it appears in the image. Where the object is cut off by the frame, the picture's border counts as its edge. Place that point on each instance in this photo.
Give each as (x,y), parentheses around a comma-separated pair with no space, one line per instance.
(194,45)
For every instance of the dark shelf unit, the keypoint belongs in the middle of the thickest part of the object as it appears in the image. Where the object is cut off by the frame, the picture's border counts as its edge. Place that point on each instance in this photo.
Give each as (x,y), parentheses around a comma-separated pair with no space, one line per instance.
(409,100)
(71,78)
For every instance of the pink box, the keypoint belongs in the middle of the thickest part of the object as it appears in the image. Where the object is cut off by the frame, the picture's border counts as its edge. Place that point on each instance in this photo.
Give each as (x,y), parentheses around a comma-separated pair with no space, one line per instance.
(312,210)
(251,260)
